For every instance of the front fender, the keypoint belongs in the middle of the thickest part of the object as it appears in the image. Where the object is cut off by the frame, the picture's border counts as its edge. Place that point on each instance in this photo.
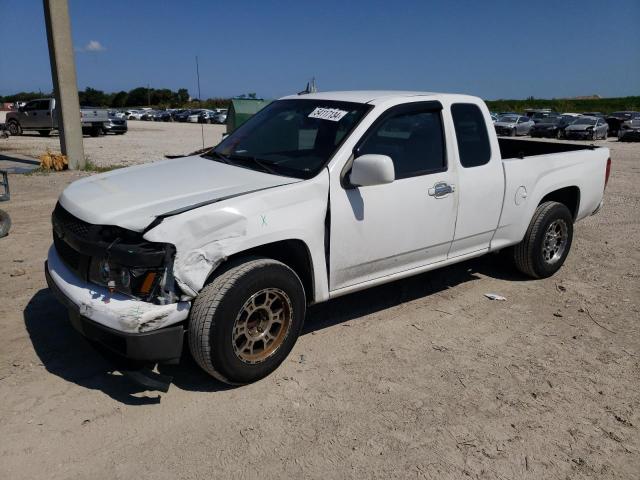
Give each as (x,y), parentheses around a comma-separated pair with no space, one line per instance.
(205,237)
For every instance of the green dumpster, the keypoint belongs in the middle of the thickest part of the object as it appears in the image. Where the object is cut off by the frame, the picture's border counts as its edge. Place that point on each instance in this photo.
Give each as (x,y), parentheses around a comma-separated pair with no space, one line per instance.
(242,109)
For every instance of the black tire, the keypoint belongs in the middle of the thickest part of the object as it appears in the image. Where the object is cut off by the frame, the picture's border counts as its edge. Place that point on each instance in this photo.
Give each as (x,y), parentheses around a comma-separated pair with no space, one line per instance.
(220,304)
(14,128)
(95,131)
(528,255)
(5,223)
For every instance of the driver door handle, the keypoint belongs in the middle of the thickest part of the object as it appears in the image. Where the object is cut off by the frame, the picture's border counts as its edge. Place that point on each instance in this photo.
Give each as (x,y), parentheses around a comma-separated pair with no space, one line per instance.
(441,190)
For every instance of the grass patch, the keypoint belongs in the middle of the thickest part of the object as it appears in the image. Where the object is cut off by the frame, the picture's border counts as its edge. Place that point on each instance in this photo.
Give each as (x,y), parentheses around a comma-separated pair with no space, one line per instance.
(89,166)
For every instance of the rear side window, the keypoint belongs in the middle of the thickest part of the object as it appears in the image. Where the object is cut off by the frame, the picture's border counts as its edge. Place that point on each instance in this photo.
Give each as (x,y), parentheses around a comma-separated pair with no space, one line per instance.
(471,133)
(413,140)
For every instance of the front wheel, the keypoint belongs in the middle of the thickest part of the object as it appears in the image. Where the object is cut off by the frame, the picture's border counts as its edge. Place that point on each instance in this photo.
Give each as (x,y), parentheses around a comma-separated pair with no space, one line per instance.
(14,128)
(246,321)
(547,242)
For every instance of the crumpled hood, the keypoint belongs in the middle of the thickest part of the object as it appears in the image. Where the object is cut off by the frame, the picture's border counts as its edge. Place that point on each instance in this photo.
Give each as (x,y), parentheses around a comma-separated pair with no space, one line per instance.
(133,197)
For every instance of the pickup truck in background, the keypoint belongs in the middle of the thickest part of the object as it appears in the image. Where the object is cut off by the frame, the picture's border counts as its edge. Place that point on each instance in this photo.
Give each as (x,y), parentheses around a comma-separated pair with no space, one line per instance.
(316,196)
(42,116)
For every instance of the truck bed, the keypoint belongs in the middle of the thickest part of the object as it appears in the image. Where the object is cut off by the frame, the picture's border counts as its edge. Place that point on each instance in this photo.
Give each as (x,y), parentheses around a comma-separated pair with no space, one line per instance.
(515,148)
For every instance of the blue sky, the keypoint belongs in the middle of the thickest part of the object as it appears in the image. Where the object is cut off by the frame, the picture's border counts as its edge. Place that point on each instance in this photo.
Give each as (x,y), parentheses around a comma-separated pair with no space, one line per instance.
(492,48)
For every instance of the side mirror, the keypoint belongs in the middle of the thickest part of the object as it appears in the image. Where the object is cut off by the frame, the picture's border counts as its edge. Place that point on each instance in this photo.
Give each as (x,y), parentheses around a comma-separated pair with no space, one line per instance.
(370,169)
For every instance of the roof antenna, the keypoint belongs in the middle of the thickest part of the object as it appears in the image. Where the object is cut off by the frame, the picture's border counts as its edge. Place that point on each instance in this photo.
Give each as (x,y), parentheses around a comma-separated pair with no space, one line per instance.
(199,99)
(311,87)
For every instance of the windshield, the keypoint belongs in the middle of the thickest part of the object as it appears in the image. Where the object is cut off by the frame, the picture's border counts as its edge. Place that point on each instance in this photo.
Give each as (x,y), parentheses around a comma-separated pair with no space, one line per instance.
(508,118)
(585,121)
(291,137)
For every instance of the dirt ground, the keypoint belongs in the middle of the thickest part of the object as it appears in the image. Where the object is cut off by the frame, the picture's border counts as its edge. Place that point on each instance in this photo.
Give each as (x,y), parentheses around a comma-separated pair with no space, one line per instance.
(422,378)
(143,142)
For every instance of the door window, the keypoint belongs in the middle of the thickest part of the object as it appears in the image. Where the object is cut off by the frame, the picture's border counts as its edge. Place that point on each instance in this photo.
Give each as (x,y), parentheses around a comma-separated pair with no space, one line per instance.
(30,106)
(471,134)
(414,140)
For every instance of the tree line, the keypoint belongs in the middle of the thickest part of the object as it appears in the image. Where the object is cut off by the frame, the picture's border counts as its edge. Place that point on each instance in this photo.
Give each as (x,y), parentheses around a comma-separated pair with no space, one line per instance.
(576,105)
(137,97)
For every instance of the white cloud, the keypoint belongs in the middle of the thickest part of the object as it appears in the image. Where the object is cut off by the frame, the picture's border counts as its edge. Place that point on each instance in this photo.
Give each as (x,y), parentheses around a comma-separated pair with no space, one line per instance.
(92,46)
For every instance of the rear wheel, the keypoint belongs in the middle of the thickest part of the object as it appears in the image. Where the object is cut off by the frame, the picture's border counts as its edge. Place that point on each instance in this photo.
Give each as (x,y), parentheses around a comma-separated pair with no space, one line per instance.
(547,242)
(14,128)
(246,321)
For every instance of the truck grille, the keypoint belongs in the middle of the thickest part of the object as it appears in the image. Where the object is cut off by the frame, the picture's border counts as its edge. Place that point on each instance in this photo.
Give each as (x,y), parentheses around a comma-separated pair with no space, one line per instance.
(69,223)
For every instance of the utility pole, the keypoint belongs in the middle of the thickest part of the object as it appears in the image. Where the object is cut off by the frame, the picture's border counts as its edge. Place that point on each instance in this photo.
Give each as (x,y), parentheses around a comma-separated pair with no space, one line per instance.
(65,85)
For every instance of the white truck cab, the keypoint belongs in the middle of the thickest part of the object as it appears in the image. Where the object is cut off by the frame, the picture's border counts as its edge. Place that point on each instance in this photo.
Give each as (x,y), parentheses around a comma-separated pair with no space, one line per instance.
(316,196)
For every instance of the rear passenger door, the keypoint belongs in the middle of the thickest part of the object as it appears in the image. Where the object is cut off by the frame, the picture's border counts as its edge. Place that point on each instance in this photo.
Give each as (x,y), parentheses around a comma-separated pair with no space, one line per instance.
(480,180)
(382,230)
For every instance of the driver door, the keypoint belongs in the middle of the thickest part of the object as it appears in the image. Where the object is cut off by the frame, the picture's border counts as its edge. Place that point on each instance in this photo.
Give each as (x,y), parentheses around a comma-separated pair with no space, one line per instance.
(382,230)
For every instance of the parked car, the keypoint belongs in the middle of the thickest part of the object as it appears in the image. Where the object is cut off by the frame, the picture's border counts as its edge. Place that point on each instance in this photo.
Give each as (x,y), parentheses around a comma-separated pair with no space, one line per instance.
(513,125)
(629,131)
(134,114)
(552,127)
(223,251)
(538,114)
(42,116)
(182,116)
(162,116)
(206,116)
(587,128)
(148,115)
(116,124)
(176,113)
(618,118)
(220,117)
(194,115)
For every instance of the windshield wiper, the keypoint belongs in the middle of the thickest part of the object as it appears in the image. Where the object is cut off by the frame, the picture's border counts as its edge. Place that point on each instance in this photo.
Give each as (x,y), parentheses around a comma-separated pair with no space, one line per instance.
(261,163)
(217,155)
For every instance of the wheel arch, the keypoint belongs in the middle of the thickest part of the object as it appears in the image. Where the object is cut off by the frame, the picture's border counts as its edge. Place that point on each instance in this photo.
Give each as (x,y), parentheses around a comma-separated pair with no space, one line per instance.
(568,196)
(294,253)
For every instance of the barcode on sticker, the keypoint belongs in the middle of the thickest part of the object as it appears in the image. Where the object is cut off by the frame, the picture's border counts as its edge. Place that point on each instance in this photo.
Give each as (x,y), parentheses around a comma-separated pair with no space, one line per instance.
(333,114)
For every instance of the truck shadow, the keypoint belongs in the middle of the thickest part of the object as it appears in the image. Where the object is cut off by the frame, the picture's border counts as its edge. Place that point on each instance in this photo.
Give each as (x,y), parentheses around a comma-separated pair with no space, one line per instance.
(373,300)
(65,353)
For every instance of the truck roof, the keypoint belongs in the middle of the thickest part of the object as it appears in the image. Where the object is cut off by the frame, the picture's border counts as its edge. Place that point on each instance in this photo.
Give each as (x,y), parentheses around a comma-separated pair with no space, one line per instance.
(367,96)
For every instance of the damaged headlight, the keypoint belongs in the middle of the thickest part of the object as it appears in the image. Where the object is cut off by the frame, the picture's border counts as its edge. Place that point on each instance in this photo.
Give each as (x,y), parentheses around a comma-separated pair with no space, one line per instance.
(142,283)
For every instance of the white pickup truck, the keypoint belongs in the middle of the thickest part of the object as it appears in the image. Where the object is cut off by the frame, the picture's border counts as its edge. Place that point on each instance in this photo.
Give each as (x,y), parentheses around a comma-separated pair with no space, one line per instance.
(316,196)
(41,115)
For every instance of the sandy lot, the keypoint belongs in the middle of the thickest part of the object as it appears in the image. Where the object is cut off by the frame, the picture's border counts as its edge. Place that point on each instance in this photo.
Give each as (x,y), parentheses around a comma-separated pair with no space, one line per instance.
(144,142)
(422,378)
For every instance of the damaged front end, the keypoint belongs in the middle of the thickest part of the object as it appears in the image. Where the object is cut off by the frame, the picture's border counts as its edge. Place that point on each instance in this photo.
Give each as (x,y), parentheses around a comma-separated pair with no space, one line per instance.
(116,258)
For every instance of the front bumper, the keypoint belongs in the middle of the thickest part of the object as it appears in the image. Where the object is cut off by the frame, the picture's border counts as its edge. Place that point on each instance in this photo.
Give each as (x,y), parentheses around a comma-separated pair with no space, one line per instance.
(579,134)
(115,128)
(629,135)
(131,328)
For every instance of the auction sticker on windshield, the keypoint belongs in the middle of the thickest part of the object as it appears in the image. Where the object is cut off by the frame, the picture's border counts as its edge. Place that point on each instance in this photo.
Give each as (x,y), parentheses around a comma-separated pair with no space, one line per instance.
(333,114)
